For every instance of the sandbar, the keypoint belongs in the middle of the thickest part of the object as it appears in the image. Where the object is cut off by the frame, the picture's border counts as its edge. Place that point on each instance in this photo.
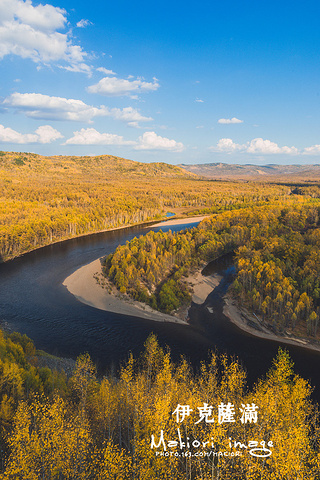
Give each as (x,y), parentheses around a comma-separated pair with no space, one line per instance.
(253,325)
(180,221)
(86,284)
(83,284)
(202,286)
(89,286)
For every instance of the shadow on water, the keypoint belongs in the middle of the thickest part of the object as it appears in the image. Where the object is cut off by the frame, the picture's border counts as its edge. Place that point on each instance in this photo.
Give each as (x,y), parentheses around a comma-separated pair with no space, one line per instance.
(255,354)
(34,301)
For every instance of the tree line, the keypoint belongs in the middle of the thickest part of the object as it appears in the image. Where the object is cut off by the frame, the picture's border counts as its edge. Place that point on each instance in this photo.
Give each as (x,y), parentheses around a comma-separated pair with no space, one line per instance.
(48,199)
(277,262)
(82,427)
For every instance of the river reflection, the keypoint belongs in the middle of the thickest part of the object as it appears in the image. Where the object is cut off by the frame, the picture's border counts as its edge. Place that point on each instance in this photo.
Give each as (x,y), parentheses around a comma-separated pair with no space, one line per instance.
(34,301)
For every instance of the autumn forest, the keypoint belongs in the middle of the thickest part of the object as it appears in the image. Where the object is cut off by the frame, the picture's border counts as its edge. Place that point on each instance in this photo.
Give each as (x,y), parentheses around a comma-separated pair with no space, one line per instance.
(70,424)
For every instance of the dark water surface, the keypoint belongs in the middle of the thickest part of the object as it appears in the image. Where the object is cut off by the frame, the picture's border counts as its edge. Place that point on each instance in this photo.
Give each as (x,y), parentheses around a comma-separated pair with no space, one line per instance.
(34,301)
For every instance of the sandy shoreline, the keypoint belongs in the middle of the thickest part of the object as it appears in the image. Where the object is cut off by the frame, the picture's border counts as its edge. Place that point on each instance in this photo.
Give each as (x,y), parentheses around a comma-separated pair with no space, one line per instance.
(251,324)
(202,285)
(180,221)
(84,286)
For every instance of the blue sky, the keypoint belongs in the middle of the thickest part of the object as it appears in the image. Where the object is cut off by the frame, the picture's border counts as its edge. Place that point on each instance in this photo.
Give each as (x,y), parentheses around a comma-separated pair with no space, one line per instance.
(179,82)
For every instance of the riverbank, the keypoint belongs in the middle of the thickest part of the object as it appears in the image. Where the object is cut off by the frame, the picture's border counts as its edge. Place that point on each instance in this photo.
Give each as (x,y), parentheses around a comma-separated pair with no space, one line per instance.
(88,286)
(252,325)
(202,285)
(148,224)
(67,365)
(181,221)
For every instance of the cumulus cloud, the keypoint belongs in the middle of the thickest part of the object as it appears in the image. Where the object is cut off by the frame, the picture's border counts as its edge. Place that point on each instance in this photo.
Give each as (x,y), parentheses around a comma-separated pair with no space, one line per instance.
(43,17)
(152,141)
(43,134)
(117,87)
(228,121)
(227,145)
(47,134)
(30,31)
(83,23)
(90,136)
(199,100)
(313,150)
(128,114)
(36,105)
(260,146)
(257,145)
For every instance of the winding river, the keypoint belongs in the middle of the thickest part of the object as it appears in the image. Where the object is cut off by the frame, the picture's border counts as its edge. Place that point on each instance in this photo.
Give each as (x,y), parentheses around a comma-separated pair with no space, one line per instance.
(34,301)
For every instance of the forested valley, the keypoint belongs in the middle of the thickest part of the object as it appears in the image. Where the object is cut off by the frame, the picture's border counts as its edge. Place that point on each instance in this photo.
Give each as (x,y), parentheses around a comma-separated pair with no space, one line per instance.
(49,199)
(76,425)
(277,260)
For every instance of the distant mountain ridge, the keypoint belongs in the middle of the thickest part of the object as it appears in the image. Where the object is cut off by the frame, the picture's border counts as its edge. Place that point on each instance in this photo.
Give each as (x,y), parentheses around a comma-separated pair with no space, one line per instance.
(110,166)
(249,171)
(105,165)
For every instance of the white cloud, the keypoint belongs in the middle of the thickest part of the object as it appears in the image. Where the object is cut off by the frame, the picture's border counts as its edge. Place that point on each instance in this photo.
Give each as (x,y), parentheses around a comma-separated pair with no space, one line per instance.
(199,100)
(116,87)
(106,71)
(152,141)
(128,114)
(32,32)
(43,17)
(227,145)
(90,136)
(36,105)
(228,121)
(47,134)
(257,146)
(43,134)
(78,68)
(84,23)
(313,150)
